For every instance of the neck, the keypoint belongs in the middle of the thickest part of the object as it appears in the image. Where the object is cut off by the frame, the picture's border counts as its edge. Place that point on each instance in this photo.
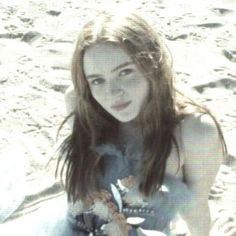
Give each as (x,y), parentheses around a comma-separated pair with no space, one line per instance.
(131,140)
(130,131)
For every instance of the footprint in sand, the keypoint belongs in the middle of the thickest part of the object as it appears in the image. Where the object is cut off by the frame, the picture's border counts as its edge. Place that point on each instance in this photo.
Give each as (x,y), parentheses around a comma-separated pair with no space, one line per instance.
(208,25)
(226,83)
(222,11)
(230,54)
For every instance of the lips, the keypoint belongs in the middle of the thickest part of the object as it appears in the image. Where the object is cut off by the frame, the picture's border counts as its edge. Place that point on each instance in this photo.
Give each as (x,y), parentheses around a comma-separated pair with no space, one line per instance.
(121,106)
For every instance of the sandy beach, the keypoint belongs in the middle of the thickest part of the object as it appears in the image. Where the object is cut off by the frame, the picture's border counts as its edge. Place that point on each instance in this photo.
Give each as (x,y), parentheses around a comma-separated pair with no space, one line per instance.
(36,43)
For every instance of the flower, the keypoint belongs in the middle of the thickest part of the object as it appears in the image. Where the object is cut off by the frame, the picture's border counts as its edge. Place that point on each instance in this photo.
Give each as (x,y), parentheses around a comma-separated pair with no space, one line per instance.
(76,208)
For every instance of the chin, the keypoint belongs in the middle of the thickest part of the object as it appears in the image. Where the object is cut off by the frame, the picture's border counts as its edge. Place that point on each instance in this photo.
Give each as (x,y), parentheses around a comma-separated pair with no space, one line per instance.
(125,119)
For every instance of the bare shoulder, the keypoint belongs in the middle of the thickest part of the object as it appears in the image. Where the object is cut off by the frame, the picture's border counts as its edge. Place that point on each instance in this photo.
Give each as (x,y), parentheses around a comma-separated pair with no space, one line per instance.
(202,152)
(199,131)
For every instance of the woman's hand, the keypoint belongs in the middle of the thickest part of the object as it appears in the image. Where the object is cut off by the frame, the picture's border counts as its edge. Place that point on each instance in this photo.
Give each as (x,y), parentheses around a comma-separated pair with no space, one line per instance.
(217,191)
(225,224)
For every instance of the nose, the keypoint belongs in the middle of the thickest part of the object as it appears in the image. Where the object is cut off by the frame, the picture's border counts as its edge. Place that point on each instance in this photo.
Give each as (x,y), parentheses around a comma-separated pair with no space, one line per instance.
(117,92)
(115,89)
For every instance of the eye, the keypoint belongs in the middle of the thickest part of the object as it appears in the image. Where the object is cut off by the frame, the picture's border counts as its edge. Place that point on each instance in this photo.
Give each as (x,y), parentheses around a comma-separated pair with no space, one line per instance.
(125,72)
(97,81)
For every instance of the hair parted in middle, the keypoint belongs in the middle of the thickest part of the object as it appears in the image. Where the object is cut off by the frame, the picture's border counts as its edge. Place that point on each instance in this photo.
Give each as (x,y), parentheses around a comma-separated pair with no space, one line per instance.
(164,109)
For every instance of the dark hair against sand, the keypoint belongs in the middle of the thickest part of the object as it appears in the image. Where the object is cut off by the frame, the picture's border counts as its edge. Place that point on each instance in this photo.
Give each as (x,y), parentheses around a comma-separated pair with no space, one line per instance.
(164,109)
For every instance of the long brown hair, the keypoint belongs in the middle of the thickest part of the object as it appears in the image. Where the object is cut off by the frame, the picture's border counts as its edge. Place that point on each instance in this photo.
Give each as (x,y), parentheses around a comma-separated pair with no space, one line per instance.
(164,109)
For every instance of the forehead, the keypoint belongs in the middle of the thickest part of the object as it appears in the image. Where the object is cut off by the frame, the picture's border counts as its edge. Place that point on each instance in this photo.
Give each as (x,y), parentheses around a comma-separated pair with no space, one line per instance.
(103,57)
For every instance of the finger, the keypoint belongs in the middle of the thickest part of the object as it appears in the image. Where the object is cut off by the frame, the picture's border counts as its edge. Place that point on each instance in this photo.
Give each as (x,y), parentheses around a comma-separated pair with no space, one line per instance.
(214,196)
(222,221)
(229,226)
(216,231)
(231,232)
(216,190)
(216,193)
(225,211)
(219,186)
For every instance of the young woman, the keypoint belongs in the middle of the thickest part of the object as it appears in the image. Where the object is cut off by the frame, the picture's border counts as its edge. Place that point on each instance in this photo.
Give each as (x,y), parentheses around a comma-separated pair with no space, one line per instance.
(140,152)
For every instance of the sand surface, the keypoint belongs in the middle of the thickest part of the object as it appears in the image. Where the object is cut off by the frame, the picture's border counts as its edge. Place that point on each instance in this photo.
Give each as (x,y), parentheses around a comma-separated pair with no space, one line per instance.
(36,43)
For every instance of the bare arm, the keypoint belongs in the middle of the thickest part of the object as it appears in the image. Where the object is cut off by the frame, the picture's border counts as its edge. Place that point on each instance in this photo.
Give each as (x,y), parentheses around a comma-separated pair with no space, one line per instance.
(203,156)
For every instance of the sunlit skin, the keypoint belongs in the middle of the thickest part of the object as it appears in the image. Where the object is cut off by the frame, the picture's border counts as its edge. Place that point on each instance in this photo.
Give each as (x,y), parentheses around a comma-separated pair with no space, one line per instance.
(115,81)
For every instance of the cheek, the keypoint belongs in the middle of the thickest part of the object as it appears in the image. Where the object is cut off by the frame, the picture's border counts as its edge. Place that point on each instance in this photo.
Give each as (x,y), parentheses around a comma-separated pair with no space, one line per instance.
(99,96)
(137,85)
(132,84)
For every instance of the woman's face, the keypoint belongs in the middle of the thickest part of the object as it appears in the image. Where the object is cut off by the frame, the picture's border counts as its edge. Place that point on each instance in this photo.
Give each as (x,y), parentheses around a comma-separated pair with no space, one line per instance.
(115,81)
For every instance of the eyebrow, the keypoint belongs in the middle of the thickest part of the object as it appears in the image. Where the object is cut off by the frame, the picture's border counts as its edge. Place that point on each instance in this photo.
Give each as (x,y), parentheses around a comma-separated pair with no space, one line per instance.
(113,70)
